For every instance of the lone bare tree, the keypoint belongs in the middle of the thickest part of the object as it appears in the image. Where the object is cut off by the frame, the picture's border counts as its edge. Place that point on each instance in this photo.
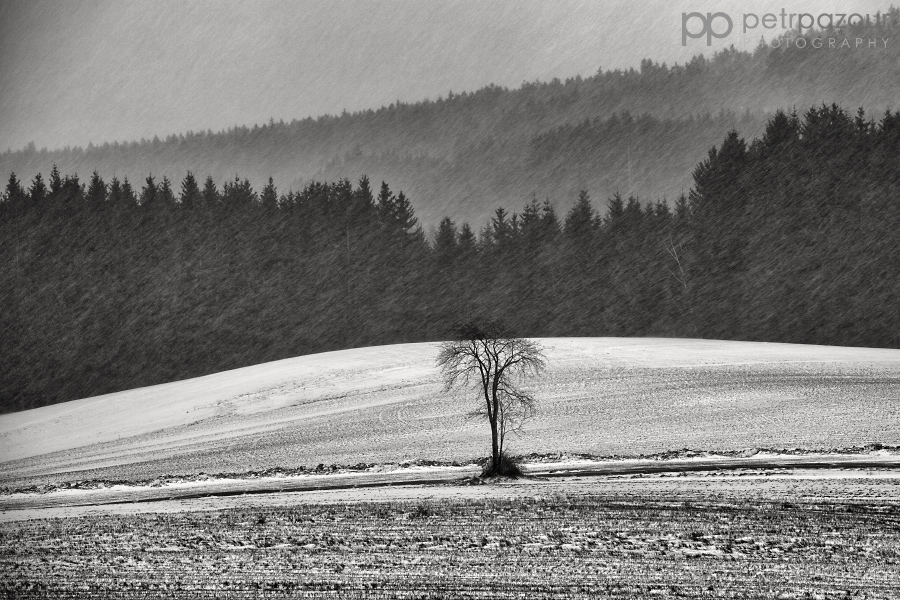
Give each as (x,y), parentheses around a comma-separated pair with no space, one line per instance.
(484,355)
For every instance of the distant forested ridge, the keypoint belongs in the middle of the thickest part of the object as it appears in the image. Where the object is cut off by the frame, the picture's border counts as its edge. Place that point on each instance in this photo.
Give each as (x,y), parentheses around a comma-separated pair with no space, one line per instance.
(793,237)
(634,131)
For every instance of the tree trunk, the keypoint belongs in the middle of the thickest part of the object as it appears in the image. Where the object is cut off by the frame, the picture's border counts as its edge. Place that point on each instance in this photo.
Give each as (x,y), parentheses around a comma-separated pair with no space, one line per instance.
(495,446)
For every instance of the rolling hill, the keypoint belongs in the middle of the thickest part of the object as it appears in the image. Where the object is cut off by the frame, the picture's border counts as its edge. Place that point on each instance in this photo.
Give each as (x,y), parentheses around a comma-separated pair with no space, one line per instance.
(608,396)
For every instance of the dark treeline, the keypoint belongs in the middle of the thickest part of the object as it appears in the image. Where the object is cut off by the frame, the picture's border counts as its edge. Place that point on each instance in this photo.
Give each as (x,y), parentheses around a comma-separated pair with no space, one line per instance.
(794,237)
(460,154)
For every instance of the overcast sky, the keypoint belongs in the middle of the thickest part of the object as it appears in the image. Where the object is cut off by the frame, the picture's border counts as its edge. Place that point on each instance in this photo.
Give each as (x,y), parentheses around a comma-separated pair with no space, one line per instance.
(73,72)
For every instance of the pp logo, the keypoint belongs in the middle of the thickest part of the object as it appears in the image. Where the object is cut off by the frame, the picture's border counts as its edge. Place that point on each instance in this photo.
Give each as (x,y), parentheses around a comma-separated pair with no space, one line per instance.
(707,29)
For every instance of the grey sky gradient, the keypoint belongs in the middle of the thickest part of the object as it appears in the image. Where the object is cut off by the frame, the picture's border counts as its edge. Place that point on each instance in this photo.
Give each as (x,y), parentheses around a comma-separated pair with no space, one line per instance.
(75,72)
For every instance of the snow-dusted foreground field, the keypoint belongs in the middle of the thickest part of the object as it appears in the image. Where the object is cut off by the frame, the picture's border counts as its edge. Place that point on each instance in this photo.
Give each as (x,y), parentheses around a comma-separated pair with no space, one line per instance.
(604,396)
(290,479)
(825,534)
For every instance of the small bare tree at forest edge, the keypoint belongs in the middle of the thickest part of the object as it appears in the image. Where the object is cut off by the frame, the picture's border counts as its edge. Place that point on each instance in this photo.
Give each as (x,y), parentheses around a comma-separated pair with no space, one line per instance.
(485,356)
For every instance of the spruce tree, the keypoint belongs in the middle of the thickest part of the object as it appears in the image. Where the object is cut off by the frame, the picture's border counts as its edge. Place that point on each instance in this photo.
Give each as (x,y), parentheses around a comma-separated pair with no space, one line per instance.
(501,230)
(531,226)
(580,221)
(115,196)
(385,204)
(269,196)
(38,192)
(550,226)
(149,193)
(14,196)
(404,215)
(467,243)
(96,193)
(165,197)
(129,198)
(55,182)
(614,211)
(210,194)
(445,242)
(190,192)
(72,190)
(362,204)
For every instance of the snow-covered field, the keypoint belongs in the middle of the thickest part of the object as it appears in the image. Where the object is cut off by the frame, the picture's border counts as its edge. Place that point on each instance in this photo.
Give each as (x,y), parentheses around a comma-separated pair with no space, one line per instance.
(604,396)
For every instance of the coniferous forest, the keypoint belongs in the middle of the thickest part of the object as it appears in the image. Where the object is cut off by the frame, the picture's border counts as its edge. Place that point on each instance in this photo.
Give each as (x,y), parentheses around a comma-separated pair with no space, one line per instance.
(109,285)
